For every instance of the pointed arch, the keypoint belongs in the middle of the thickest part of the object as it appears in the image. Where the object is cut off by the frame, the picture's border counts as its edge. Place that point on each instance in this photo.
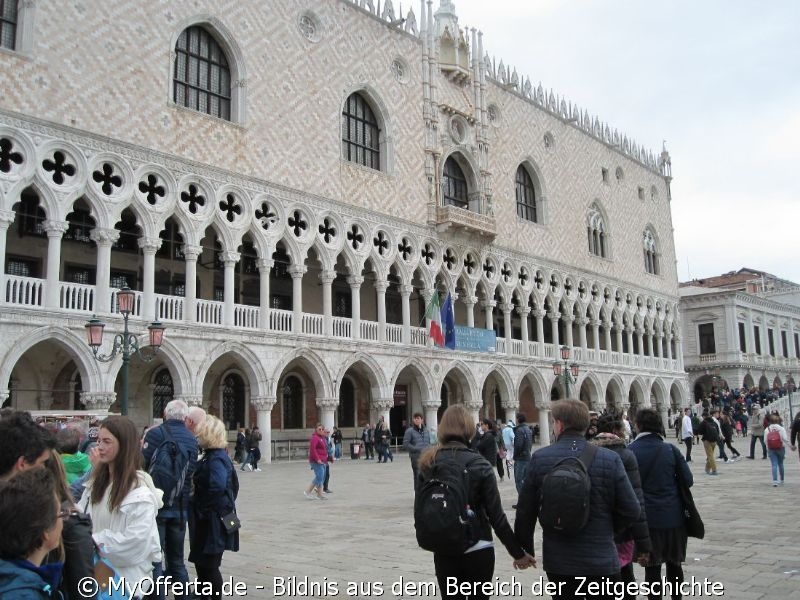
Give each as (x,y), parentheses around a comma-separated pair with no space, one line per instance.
(248,361)
(314,364)
(75,346)
(369,367)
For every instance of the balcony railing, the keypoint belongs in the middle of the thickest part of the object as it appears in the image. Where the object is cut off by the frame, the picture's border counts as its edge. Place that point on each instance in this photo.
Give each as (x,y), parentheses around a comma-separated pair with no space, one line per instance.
(78,298)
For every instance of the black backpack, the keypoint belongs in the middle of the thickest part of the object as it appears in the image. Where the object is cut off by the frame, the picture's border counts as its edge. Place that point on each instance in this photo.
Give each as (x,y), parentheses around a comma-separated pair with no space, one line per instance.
(168,468)
(443,519)
(564,501)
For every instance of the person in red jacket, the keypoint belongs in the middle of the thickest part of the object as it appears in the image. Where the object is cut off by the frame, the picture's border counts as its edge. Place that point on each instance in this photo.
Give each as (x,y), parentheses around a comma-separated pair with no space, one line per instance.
(317,459)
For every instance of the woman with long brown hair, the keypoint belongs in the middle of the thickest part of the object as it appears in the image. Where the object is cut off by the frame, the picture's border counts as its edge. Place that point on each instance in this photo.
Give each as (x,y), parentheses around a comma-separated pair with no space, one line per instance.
(476,564)
(123,502)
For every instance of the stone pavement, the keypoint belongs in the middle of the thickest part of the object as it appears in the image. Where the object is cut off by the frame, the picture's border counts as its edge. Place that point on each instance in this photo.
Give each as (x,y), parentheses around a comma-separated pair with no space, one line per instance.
(364,532)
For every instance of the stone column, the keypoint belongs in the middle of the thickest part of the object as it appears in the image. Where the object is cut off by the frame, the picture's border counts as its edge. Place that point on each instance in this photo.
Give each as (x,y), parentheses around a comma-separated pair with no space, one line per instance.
(488,306)
(619,338)
(382,406)
(264,406)
(380,290)
(568,319)
(431,409)
(669,345)
(149,248)
(98,400)
(595,323)
(510,408)
(679,352)
(327,410)
(6,218)
(264,269)
(650,343)
(629,331)
(662,411)
(190,255)
(607,336)
(104,238)
(355,282)
(544,425)
(55,230)
(405,296)
(507,308)
(582,321)
(469,302)
(524,311)
(748,332)
(539,314)
(659,344)
(229,259)
(554,317)
(194,400)
(640,340)
(297,272)
(327,277)
(474,409)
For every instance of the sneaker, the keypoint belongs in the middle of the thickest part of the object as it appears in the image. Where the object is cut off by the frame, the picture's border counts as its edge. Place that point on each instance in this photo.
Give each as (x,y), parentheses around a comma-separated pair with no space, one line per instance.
(751,457)
(774,484)
(258,469)
(321,497)
(714,473)
(730,460)
(327,491)
(309,496)
(780,482)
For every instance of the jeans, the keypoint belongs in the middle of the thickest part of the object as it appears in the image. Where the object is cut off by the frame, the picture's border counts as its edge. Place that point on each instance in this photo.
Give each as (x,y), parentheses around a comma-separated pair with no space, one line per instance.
(753,439)
(172,532)
(776,458)
(245,459)
(337,450)
(520,466)
(688,441)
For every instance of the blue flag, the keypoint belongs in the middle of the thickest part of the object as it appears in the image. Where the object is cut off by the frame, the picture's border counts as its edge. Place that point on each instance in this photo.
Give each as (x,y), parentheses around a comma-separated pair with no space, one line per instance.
(449,323)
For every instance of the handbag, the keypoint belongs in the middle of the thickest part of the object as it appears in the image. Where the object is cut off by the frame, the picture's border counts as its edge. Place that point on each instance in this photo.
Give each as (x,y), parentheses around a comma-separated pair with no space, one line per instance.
(692,520)
(104,574)
(502,452)
(231,522)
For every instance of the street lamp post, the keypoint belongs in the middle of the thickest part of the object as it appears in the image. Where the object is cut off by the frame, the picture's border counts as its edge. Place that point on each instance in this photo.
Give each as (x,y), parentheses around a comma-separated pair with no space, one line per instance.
(568,373)
(126,342)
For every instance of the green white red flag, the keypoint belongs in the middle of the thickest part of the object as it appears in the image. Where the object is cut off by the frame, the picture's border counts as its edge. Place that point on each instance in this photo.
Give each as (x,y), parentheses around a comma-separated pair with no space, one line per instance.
(434,313)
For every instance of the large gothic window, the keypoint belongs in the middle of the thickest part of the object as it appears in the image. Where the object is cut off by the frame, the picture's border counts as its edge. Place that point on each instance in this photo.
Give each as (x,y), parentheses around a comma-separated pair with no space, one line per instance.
(596,231)
(650,252)
(292,403)
(8,24)
(202,79)
(526,196)
(454,185)
(233,401)
(162,392)
(360,133)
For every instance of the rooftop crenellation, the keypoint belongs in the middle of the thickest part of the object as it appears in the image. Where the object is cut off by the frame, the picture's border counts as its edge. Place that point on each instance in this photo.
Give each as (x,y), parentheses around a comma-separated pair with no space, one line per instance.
(508,78)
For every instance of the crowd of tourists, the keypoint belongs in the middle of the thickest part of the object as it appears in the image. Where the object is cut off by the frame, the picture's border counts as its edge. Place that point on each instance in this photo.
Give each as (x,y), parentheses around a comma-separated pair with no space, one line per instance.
(106,503)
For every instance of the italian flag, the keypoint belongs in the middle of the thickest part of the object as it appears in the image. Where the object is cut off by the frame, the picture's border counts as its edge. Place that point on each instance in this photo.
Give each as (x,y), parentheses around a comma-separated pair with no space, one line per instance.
(434,313)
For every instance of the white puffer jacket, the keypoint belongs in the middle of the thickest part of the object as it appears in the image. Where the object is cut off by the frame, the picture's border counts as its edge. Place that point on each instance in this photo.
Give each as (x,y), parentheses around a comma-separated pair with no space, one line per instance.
(128,536)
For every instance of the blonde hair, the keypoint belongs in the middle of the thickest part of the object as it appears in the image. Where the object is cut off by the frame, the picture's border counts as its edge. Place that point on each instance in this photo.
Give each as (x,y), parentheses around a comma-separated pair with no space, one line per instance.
(211,433)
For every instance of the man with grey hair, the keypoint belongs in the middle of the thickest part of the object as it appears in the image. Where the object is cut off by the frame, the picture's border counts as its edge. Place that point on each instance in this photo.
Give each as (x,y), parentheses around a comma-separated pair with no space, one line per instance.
(170,456)
(195,417)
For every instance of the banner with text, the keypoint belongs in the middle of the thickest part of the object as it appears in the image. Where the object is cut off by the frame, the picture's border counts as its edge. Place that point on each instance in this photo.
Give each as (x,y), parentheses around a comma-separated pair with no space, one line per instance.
(474,339)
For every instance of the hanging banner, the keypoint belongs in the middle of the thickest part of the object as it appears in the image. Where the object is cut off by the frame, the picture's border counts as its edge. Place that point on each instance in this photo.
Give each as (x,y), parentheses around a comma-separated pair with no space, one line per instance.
(474,339)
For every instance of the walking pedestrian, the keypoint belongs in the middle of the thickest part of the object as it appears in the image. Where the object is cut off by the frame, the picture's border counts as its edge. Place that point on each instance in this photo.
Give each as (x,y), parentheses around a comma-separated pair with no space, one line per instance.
(476,565)
(777,440)
(659,463)
(757,431)
(317,459)
(687,432)
(415,440)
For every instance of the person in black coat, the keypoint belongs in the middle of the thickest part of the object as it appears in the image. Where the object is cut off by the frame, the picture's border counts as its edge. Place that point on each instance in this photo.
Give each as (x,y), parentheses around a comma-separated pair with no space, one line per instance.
(476,565)
(633,543)
(659,462)
(486,444)
(214,495)
(590,555)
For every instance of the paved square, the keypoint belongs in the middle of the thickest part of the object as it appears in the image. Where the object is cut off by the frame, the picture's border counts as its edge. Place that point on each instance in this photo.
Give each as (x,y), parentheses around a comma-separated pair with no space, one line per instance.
(364,532)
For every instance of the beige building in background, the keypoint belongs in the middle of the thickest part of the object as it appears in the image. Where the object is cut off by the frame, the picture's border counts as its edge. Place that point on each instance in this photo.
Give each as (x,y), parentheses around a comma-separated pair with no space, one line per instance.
(285,185)
(741,329)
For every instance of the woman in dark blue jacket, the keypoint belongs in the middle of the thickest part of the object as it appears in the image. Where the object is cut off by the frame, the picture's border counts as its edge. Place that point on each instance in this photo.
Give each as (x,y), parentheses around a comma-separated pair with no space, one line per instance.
(658,466)
(215,489)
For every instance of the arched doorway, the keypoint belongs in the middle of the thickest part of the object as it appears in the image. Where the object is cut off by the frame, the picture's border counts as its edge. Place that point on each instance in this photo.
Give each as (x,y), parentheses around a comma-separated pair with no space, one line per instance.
(233,401)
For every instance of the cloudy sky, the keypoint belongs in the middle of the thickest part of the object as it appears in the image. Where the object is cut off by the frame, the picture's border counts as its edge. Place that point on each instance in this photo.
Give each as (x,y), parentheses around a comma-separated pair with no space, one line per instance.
(719,80)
